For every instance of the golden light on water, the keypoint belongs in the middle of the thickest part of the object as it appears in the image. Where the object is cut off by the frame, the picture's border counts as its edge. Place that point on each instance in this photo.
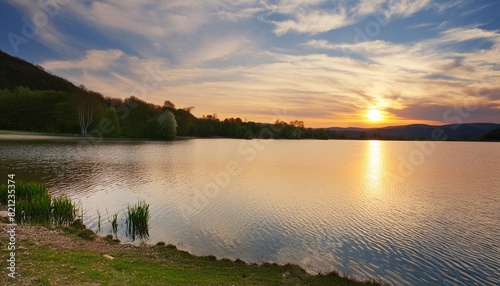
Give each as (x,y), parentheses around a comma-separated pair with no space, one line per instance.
(374,166)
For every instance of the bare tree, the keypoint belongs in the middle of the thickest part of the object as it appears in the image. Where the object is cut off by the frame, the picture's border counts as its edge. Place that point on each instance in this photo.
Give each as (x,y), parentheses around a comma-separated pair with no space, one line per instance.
(85,107)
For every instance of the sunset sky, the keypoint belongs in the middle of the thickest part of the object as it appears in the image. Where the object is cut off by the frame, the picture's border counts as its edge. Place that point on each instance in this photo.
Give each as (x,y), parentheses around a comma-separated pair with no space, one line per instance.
(329,63)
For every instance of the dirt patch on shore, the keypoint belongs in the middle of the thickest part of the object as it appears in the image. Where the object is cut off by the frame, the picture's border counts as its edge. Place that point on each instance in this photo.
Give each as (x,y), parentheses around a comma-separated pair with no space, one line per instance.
(56,239)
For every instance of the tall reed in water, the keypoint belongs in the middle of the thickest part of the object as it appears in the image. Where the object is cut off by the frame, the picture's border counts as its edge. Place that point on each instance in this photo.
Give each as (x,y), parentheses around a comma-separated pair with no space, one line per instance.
(63,211)
(138,220)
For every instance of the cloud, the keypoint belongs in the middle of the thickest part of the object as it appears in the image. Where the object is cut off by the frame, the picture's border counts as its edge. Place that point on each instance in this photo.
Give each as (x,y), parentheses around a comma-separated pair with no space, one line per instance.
(371,48)
(313,22)
(366,7)
(312,18)
(292,6)
(148,18)
(448,114)
(462,34)
(222,49)
(41,18)
(423,70)
(94,60)
(441,6)
(421,25)
(110,72)
(405,8)
(236,10)
(390,9)
(430,56)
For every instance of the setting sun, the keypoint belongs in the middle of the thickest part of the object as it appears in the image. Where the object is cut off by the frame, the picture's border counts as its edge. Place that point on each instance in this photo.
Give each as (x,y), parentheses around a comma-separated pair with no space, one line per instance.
(374,115)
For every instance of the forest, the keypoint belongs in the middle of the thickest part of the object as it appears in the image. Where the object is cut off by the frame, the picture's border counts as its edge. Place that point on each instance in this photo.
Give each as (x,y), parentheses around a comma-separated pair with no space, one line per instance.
(89,113)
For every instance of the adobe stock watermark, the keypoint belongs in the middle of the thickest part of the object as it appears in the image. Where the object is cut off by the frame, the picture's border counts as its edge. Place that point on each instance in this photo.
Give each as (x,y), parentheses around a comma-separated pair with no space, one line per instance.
(11,230)
(248,151)
(38,20)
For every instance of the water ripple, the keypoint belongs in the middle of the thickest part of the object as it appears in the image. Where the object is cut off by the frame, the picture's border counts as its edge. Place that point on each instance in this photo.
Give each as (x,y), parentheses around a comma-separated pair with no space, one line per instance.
(336,206)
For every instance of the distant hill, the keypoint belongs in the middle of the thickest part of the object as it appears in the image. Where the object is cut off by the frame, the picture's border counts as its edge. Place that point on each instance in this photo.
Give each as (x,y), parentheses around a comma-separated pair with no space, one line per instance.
(493,135)
(16,72)
(466,131)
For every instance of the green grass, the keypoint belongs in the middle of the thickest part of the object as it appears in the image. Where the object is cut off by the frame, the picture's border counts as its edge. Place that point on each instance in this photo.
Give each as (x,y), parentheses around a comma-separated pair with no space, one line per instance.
(35,210)
(138,220)
(17,132)
(34,205)
(23,191)
(33,202)
(63,211)
(147,265)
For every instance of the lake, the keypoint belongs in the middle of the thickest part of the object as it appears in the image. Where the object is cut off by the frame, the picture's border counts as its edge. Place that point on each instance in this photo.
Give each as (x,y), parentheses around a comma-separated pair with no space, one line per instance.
(410,213)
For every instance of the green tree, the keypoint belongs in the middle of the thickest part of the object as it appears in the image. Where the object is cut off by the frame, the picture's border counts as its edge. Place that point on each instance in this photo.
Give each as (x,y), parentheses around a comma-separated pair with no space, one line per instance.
(66,116)
(320,134)
(248,135)
(167,125)
(138,118)
(185,121)
(113,123)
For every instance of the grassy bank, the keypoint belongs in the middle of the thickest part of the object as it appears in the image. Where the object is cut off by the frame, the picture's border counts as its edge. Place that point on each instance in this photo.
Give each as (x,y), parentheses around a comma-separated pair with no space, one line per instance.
(57,257)
(15,132)
(89,138)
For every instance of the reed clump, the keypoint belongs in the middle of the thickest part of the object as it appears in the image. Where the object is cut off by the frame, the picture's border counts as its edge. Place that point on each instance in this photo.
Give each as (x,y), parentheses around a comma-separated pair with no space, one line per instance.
(34,205)
(138,220)
(114,225)
(63,210)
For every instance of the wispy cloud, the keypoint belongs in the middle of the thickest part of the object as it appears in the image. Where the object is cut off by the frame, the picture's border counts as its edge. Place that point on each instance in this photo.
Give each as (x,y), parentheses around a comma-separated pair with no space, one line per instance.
(405,8)
(107,71)
(427,70)
(94,60)
(313,22)
(421,25)
(313,18)
(40,24)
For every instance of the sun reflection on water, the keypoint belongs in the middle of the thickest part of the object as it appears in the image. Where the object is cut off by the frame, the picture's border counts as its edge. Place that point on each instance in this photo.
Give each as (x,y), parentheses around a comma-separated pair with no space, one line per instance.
(374,167)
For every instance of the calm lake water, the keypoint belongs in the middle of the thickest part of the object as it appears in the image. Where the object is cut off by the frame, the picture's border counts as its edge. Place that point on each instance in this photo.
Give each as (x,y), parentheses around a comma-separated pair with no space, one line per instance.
(409,213)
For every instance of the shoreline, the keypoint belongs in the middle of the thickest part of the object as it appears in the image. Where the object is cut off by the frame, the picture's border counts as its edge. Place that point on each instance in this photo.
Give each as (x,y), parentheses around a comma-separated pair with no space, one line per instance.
(21,135)
(26,135)
(61,255)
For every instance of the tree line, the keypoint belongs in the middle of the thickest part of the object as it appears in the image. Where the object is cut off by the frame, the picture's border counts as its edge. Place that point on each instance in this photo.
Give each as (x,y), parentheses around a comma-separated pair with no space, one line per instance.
(32,99)
(89,113)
